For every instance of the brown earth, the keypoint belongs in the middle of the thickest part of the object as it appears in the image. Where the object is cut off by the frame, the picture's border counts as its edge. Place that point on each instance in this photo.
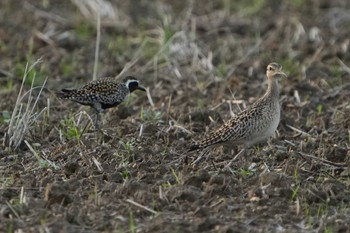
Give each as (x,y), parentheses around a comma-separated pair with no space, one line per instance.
(200,61)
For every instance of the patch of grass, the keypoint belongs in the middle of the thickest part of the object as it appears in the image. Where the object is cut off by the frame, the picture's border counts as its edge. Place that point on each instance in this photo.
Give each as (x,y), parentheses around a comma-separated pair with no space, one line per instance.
(126,155)
(151,115)
(245,172)
(129,145)
(70,128)
(24,115)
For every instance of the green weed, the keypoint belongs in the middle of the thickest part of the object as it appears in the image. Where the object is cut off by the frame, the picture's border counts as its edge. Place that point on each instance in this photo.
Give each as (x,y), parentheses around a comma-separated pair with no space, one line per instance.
(297,185)
(319,109)
(132,226)
(177,177)
(5,117)
(70,129)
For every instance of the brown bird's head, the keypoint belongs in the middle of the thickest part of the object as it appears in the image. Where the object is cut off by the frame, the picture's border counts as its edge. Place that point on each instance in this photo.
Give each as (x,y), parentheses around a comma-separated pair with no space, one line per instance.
(133,84)
(274,70)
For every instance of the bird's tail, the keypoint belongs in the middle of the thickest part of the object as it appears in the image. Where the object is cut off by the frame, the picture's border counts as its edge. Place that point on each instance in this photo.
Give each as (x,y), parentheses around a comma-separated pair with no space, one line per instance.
(66,93)
(207,142)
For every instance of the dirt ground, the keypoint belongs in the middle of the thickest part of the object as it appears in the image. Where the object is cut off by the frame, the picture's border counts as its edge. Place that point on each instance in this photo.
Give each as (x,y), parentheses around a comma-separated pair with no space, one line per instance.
(201,62)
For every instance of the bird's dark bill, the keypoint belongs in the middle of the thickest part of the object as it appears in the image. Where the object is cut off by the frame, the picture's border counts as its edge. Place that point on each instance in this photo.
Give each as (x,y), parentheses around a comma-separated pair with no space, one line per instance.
(141,88)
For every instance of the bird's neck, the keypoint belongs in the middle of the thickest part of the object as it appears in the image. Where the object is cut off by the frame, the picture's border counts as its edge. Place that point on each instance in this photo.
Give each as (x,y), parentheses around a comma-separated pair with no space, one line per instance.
(273,88)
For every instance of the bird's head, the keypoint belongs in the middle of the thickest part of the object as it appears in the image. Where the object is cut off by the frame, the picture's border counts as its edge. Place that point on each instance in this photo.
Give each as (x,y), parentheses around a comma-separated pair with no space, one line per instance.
(133,84)
(274,70)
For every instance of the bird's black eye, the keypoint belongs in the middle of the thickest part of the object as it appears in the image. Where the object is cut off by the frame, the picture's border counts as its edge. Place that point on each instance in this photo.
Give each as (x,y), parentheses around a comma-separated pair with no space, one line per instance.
(270,68)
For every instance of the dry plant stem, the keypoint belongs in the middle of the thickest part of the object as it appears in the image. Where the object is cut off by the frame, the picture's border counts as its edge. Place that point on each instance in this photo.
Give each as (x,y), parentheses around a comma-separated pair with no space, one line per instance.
(97,48)
(323,161)
(235,158)
(141,206)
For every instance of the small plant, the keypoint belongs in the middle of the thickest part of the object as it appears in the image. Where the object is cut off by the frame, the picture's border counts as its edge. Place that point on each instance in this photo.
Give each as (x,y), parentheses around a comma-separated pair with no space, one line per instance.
(150,115)
(297,185)
(178,178)
(6,117)
(244,172)
(129,145)
(72,130)
(132,222)
(319,109)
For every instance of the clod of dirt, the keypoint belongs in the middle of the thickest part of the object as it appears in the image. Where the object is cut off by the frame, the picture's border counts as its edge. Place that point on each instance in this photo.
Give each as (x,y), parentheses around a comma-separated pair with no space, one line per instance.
(123,112)
(185,193)
(336,154)
(57,193)
(70,168)
(207,224)
(198,179)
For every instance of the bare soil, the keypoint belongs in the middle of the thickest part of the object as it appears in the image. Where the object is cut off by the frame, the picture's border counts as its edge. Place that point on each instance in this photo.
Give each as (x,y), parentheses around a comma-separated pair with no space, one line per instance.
(201,62)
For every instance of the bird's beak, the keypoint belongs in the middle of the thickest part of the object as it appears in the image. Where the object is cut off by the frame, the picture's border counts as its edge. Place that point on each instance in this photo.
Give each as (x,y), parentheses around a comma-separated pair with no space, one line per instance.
(141,88)
(282,74)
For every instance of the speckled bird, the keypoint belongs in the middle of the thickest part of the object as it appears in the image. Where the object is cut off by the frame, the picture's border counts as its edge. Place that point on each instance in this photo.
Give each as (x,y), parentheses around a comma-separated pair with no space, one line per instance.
(253,125)
(102,94)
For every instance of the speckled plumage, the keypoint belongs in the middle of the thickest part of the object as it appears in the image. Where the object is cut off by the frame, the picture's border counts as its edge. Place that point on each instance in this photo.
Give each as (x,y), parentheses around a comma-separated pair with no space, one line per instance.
(253,125)
(102,94)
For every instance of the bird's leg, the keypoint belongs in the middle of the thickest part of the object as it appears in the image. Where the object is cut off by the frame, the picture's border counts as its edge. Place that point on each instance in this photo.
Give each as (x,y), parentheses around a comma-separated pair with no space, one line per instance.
(236,156)
(97,121)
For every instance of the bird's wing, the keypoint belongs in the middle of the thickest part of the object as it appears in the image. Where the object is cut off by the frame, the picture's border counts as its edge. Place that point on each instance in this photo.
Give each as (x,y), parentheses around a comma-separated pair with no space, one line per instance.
(102,87)
(233,130)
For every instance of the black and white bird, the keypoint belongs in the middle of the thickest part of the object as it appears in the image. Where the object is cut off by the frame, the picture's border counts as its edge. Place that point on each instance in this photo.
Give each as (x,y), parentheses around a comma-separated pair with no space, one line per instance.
(102,94)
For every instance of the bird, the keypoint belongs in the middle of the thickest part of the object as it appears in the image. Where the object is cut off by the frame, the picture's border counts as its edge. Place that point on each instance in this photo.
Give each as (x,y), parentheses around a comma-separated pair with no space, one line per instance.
(253,125)
(102,94)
